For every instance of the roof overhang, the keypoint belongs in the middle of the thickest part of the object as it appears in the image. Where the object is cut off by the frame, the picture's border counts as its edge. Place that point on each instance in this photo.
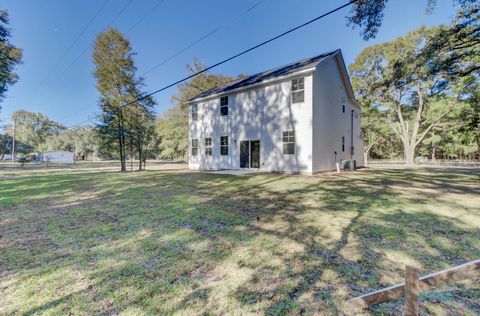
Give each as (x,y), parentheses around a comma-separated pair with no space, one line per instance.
(346,79)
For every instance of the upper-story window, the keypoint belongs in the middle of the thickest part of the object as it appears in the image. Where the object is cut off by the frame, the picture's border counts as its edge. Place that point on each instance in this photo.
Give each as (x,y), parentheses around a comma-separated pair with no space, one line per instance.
(288,142)
(194,147)
(343,143)
(343,105)
(208,146)
(224,105)
(194,112)
(298,91)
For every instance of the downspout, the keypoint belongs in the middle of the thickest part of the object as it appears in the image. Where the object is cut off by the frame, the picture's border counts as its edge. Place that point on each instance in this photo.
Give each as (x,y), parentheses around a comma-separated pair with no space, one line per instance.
(352,148)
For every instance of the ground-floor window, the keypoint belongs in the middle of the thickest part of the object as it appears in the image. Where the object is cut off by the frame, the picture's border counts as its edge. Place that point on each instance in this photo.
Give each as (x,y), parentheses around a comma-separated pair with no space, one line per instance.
(224,145)
(208,146)
(343,143)
(289,142)
(194,147)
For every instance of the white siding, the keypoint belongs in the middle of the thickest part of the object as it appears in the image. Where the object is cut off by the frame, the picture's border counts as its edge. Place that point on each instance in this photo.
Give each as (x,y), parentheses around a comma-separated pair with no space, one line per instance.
(330,122)
(261,113)
(264,112)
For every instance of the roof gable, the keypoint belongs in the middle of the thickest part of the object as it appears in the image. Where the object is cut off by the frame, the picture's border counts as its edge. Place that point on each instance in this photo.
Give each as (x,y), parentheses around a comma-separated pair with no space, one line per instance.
(268,75)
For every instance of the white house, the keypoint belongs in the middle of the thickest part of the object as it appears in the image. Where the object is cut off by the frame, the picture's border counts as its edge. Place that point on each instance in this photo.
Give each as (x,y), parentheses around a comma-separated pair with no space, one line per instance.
(301,117)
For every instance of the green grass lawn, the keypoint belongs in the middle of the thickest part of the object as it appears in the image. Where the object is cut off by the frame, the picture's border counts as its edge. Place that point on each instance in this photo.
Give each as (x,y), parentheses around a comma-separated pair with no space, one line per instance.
(192,243)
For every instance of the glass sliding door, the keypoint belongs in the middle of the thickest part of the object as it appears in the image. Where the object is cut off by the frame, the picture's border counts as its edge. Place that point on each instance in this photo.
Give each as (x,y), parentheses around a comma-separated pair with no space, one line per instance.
(250,154)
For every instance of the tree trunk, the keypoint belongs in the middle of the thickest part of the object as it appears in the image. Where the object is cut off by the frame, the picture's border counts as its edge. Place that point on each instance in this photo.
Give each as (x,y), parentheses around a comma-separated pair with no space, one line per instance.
(365,158)
(140,156)
(131,153)
(140,159)
(433,152)
(433,146)
(121,140)
(409,152)
(120,150)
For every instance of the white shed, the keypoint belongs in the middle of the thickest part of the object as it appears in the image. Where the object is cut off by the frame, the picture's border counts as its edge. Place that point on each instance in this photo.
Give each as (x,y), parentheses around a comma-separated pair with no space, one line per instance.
(57,157)
(301,117)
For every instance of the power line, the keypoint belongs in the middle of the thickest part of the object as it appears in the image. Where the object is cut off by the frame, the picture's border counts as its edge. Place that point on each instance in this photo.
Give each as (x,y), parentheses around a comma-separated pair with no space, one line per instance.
(149,12)
(241,53)
(207,35)
(88,47)
(192,44)
(77,39)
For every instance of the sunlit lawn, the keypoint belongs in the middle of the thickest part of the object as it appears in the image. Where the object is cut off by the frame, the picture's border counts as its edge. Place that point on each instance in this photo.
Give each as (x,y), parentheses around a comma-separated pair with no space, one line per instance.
(180,242)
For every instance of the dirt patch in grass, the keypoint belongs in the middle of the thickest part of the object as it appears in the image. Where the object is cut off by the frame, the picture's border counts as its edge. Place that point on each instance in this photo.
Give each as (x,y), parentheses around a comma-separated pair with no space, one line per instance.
(180,242)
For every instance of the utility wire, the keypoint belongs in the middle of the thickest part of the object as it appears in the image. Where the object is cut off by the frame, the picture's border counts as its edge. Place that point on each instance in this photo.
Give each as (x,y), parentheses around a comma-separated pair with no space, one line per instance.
(6,144)
(146,15)
(76,39)
(195,42)
(240,54)
(88,47)
(207,35)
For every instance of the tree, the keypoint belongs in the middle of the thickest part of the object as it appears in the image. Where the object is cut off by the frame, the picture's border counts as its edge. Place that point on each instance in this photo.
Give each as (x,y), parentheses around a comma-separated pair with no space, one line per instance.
(118,87)
(172,134)
(454,50)
(78,139)
(375,130)
(33,129)
(368,14)
(469,89)
(10,56)
(140,128)
(172,127)
(395,76)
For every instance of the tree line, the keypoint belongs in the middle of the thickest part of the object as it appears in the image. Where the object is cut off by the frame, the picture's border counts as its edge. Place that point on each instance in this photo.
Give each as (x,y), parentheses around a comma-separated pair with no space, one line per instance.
(420,92)
(420,95)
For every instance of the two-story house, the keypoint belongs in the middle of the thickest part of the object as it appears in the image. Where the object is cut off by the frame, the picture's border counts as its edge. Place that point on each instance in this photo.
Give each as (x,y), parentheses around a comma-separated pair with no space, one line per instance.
(302,117)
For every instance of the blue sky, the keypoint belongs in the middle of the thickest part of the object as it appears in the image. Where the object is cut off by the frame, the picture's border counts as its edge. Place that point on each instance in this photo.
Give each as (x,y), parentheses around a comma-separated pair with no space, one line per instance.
(66,93)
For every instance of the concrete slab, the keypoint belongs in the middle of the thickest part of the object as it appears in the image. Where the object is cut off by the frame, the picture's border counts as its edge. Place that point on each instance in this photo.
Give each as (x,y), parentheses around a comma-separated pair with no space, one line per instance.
(234,172)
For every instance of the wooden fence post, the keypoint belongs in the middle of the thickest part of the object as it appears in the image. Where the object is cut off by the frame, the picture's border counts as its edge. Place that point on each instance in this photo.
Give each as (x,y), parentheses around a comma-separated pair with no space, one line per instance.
(412,289)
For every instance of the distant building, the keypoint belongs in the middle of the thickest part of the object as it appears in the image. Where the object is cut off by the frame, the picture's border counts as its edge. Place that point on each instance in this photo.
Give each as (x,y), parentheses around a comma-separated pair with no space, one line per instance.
(56,157)
(301,117)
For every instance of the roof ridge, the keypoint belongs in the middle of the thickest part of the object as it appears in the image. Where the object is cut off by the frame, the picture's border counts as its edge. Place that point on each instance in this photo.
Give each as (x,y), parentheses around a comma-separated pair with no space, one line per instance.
(286,69)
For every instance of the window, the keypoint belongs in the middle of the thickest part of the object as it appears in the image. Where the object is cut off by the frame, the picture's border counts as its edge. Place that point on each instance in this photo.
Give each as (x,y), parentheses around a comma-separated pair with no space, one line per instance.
(224,105)
(194,112)
(208,146)
(224,145)
(298,94)
(194,147)
(343,105)
(289,143)
(343,143)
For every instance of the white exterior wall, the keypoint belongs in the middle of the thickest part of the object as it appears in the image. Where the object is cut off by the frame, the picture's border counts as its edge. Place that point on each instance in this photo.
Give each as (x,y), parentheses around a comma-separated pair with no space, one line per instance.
(330,123)
(59,157)
(261,113)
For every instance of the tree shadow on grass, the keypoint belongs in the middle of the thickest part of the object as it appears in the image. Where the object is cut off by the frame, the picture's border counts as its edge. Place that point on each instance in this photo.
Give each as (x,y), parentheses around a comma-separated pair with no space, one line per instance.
(160,237)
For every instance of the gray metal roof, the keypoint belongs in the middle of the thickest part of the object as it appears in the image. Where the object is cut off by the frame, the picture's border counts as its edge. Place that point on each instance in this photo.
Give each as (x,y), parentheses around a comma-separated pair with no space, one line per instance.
(291,68)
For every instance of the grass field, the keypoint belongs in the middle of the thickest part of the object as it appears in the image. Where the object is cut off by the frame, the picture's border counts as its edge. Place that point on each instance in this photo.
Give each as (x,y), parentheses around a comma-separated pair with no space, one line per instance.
(166,242)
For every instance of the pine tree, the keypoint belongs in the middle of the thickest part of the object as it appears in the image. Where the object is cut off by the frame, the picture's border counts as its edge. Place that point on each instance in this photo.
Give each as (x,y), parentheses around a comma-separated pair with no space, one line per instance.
(116,82)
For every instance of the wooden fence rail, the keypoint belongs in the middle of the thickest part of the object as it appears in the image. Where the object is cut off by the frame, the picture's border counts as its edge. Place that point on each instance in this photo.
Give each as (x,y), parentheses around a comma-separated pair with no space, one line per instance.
(414,285)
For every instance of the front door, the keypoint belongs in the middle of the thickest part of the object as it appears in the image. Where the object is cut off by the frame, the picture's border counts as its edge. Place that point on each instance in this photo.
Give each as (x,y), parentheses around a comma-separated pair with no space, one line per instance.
(250,154)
